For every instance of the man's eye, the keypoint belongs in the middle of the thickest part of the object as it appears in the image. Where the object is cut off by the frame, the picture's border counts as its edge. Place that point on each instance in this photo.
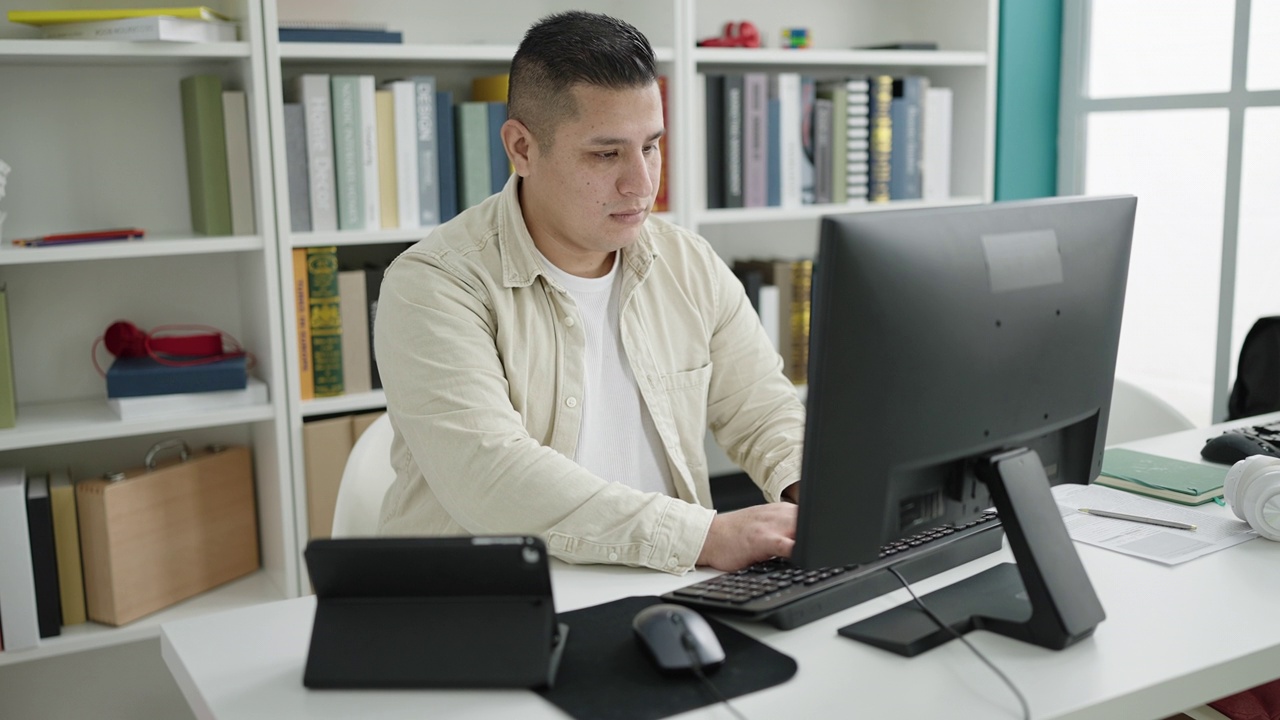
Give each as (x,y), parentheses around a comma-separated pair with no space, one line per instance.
(607,155)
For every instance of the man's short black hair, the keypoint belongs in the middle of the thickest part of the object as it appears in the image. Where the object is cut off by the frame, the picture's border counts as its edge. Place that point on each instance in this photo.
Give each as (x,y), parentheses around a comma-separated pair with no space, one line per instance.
(568,49)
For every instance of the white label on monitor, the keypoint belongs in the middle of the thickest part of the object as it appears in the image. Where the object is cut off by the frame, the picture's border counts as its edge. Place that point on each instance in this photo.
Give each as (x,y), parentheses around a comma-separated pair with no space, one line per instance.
(1021,260)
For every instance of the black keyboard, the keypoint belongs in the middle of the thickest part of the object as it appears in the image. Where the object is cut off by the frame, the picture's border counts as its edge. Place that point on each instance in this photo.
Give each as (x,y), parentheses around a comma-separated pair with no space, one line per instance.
(786,596)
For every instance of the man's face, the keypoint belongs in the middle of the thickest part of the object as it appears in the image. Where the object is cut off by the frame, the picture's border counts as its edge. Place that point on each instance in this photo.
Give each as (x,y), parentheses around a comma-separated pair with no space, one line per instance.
(588,194)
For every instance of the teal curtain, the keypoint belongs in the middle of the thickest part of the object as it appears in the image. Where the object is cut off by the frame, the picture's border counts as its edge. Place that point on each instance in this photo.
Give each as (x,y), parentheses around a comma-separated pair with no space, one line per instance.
(1027,99)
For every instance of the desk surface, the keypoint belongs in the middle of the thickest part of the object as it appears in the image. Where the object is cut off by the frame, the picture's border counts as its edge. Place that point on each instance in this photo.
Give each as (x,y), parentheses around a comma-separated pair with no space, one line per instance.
(1174,637)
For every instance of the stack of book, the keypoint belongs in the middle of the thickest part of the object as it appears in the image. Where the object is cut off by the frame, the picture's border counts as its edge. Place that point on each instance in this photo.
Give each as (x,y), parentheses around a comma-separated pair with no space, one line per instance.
(177,24)
(788,139)
(140,388)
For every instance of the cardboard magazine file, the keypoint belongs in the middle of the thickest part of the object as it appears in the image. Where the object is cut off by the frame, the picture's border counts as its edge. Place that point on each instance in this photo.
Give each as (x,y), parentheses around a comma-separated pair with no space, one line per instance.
(157,534)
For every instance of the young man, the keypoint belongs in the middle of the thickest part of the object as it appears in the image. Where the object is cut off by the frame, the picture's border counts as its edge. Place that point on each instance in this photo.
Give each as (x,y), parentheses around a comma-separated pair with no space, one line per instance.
(553,357)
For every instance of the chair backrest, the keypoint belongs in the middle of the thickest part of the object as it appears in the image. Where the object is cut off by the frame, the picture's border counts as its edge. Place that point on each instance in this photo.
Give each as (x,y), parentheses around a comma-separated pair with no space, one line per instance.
(1257,387)
(1137,413)
(365,480)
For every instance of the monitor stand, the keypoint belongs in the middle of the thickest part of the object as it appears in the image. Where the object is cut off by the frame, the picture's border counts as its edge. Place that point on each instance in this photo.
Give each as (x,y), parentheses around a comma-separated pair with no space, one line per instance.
(1045,599)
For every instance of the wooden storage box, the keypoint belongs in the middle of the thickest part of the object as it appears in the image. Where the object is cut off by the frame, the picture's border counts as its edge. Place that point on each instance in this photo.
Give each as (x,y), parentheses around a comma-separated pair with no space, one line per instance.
(157,534)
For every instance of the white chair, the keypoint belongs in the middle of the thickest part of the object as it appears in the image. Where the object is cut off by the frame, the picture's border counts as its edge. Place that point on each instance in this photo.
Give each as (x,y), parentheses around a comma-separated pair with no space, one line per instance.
(365,479)
(1137,413)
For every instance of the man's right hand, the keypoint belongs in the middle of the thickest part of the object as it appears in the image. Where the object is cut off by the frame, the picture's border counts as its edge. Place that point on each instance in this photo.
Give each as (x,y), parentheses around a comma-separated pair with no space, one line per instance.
(740,538)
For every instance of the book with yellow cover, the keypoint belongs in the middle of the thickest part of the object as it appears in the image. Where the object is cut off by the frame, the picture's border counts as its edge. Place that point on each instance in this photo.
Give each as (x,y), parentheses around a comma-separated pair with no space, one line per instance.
(53,17)
(66,545)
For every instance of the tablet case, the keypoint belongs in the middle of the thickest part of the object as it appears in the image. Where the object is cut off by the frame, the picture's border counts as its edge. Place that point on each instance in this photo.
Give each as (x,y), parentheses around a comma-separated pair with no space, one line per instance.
(432,613)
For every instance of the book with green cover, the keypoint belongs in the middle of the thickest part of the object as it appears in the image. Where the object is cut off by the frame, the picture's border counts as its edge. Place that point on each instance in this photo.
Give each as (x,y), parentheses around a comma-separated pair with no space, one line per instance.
(206,146)
(348,152)
(326,320)
(1178,481)
(472,129)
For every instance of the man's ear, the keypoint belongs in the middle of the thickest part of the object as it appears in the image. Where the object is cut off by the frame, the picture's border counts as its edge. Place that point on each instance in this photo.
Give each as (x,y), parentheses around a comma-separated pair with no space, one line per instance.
(519,143)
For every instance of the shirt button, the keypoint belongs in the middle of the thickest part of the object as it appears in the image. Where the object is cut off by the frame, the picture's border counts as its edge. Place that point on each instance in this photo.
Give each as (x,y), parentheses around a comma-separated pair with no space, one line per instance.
(571,402)
(671,562)
(613,557)
(569,321)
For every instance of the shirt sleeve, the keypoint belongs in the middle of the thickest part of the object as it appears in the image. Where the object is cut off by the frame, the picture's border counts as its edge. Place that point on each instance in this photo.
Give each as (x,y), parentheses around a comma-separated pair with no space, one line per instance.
(753,410)
(448,398)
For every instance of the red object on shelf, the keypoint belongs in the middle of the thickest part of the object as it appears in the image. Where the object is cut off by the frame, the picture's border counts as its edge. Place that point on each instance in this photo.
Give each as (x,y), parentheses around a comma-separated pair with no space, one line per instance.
(739,34)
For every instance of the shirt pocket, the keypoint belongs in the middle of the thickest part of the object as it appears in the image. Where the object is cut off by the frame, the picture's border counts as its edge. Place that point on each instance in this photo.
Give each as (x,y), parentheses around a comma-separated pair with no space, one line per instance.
(687,393)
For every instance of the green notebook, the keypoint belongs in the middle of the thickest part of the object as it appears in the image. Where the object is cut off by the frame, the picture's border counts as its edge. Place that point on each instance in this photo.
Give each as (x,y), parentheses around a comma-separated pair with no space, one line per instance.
(1179,481)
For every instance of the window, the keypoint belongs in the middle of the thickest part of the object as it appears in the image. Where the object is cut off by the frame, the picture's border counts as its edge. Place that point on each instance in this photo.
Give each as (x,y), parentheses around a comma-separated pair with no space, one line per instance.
(1185,114)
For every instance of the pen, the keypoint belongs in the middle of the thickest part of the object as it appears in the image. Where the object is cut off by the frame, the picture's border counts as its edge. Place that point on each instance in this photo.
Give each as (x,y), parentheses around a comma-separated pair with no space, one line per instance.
(1138,518)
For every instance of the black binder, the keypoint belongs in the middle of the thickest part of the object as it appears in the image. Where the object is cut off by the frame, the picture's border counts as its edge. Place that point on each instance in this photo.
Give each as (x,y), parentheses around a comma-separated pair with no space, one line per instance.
(432,613)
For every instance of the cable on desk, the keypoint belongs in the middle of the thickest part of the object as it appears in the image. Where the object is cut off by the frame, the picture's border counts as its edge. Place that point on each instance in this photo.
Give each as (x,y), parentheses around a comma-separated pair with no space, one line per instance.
(687,641)
(1026,709)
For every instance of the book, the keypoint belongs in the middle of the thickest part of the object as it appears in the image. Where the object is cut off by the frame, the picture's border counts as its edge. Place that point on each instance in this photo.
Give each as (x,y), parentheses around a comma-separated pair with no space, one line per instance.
(799,307)
(755,139)
(881,136)
(1179,481)
(355,332)
(295,152)
(472,132)
(427,165)
(235,121)
(314,93)
(731,135)
(302,323)
(372,287)
(291,34)
(8,397)
(19,623)
(51,17)
(206,150)
(773,148)
(77,238)
(388,187)
(369,153)
(446,155)
(837,94)
(404,148)
(325,317)
(44,558)
(936,144)
(499,167)
(491,88)
(905,157)
(348,151)
(823,176)
(154,28)
(66,544)
(808,96)
(790,138)
(661,197)
(140,376)
(146,407)
(714,116)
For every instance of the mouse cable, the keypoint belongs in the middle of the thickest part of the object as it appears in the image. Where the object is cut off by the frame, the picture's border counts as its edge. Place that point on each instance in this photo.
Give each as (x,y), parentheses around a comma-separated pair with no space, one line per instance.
(1026,710)
(689,648)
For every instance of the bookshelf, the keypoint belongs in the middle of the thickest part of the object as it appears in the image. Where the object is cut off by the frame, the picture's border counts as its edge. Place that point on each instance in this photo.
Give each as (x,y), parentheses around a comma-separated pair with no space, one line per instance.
(93,131)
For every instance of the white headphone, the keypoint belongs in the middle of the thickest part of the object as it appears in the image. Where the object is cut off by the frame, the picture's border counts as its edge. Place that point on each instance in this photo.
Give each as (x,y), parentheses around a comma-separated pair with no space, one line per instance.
(1252,489)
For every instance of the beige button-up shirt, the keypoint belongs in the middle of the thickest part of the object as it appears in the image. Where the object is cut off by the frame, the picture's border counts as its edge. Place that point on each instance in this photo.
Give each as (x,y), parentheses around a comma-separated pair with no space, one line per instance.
(481,357)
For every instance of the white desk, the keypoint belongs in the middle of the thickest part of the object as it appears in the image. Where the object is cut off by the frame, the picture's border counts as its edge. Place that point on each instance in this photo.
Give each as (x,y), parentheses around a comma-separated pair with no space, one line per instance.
(1174,637)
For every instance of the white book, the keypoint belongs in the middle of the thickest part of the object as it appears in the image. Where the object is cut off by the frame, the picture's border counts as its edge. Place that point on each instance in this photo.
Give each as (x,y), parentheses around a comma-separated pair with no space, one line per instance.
(405,101)
(148,407)
(19,622)
(936,144)
(357,377)
(369,141)
(314,95)
(790,150)
(152,28)
(768,305)
(235,123)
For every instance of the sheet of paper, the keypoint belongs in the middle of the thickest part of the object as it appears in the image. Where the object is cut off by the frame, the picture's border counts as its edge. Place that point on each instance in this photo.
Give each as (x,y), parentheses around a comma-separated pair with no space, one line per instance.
(1152,542)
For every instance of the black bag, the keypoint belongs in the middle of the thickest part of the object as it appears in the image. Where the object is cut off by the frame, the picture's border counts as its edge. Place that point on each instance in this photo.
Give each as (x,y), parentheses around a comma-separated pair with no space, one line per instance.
(1257,387)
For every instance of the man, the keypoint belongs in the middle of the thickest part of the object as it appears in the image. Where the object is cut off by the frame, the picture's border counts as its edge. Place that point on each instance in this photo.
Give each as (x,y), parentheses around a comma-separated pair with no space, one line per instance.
(553,356)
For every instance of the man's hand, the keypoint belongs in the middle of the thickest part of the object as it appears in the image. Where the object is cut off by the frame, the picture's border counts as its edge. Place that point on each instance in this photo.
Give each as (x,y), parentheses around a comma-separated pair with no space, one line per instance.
(737,539)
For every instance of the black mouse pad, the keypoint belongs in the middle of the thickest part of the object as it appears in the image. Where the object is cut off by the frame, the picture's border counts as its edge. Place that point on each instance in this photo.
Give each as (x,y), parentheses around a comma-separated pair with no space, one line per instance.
(605,672)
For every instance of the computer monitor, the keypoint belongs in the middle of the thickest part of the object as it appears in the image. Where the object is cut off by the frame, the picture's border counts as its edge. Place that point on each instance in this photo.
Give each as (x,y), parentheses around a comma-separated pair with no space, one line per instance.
(961,358)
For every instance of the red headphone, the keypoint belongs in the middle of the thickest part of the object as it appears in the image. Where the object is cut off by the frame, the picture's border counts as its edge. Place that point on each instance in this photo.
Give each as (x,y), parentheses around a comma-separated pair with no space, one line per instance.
(206,345)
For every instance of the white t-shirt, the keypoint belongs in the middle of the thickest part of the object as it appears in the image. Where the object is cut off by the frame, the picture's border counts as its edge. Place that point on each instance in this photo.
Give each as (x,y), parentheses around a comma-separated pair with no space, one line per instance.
(617,439)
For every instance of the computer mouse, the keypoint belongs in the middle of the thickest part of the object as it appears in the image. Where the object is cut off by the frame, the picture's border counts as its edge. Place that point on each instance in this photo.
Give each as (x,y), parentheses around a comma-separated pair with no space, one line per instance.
(1232,447)
(677,637)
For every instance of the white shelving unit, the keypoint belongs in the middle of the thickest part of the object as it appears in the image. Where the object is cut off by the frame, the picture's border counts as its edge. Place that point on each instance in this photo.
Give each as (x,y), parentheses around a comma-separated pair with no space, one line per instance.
(93,131)
(94,134)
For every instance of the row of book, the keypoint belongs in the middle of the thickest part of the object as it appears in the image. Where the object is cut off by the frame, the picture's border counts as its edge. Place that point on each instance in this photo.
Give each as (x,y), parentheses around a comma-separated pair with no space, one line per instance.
(787,139)
(41,575)
(780,290)
(334,312)
(404,155)
(216,132)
